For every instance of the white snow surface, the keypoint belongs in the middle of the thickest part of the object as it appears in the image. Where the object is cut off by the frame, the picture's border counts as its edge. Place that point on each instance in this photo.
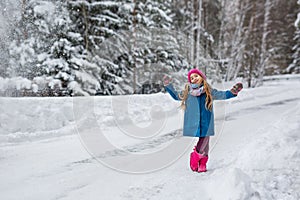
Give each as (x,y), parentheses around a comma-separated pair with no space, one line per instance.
(255,153)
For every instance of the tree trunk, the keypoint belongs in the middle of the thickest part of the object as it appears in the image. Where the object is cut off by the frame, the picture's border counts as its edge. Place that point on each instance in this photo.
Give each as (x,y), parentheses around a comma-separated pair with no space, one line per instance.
(25,33)
(240,43)
(198,33)
(263,55)
(133,48)
(193,34)
(86,23)
(252,47)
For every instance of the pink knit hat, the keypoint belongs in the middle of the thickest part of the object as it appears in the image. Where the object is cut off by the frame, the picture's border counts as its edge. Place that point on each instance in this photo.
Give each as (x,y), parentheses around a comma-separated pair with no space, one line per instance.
(196,71)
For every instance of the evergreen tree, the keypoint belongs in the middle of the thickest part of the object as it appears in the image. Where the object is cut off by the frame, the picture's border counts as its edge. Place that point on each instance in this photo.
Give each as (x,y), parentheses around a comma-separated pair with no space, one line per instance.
(45,45)
(120,36)
(96,21)
(8,15)
(31,39)
(294,67)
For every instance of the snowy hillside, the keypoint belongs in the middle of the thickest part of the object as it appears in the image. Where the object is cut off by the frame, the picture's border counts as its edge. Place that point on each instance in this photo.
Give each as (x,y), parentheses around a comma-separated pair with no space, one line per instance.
(130,147)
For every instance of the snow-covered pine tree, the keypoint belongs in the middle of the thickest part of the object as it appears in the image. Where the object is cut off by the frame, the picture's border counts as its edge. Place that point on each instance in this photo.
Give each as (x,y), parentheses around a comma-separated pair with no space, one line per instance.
(294,67)
(97,23)
(46,45)
(68,60)
(159,49)
(120,36)
(8,17)
(281,37)
(27,42)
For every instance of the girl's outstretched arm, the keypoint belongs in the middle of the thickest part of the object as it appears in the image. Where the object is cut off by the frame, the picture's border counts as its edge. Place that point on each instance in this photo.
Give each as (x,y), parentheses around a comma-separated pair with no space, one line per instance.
(222,95)
(174,94)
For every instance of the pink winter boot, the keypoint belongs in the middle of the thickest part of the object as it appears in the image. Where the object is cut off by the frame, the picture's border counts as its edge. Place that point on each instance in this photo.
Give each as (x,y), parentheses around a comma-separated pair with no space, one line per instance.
(195,157)
(202,166)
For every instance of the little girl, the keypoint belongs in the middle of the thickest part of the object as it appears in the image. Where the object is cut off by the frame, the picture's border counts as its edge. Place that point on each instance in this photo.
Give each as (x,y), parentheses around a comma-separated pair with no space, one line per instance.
(197,102)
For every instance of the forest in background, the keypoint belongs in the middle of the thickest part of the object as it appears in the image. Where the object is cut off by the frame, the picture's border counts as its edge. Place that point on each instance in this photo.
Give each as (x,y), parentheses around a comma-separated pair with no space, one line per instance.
(89,47)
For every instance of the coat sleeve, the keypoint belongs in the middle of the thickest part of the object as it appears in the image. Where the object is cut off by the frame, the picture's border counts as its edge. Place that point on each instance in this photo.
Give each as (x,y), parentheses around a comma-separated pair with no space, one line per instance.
(174,94)
(221,95)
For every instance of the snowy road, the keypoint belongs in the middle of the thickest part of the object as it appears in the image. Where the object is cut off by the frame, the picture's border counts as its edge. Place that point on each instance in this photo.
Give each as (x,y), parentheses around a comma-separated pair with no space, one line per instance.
(255,156)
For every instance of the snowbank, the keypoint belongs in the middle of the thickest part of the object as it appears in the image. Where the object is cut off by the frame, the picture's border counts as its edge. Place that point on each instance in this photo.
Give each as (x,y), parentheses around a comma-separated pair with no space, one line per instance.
(31,118)
(272,160)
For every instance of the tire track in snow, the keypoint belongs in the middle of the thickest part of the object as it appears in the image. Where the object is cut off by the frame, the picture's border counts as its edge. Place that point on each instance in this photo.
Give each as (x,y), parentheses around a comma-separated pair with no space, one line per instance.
(262,107)
(136,148)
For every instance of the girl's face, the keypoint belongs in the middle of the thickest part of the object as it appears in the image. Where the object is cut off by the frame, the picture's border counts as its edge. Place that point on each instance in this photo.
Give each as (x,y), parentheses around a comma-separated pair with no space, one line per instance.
(196,78)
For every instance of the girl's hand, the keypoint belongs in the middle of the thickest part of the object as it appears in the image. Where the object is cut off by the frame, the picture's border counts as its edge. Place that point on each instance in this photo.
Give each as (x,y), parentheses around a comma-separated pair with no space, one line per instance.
(236,88)
(166,80)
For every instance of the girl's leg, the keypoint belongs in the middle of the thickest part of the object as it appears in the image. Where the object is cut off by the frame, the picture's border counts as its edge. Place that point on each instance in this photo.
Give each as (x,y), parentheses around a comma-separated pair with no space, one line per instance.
(203,145)
(203,148)
(199,156)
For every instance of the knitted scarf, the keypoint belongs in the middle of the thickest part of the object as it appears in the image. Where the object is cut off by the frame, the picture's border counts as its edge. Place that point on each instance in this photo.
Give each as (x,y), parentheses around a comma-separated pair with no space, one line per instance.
(196,89)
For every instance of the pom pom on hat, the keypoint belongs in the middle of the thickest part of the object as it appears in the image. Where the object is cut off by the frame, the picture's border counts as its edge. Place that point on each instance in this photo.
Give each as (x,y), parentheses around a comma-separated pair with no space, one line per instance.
(196,71)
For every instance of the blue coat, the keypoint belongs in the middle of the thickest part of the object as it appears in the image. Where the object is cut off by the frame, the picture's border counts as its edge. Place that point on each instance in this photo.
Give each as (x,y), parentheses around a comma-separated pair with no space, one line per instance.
(198,121)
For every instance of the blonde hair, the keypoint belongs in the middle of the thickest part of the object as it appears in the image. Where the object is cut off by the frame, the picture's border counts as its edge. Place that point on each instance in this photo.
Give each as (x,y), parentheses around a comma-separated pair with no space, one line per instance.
(208,99)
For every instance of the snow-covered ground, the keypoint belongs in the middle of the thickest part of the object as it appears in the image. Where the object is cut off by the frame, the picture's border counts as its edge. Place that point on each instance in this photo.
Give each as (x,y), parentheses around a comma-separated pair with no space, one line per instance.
(130,147)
